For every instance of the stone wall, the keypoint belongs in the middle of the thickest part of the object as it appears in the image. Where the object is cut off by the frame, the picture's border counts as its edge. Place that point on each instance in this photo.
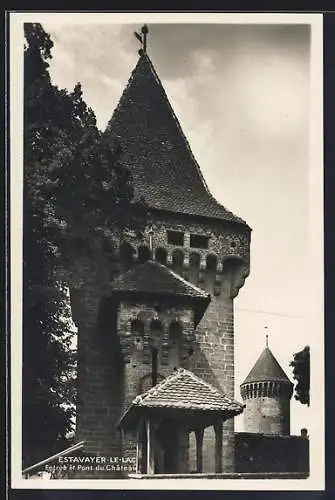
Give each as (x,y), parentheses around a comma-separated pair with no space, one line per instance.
(214,272)
(152,330)
(267,415)
(108,376)
(264,453)
(267,408)
(224,240)
(99,368)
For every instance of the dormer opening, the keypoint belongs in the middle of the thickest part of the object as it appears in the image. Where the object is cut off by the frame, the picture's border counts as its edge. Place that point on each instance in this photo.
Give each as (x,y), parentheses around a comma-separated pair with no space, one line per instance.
(175,238)
(199,241)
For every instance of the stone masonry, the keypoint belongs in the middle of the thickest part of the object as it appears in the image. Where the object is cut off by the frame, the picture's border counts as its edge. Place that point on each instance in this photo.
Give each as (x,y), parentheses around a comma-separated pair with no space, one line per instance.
(267,392)
(107,383)
(188,231)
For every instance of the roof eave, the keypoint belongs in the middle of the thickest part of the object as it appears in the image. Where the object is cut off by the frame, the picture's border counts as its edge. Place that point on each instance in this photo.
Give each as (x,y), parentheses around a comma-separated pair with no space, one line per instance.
(136,413)
(268,379)
(204,218)
(167,295)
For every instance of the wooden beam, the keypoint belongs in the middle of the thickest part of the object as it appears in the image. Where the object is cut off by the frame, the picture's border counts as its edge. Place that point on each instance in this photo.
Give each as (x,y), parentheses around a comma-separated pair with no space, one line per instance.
(138,442)
(218,446)
(147,426)
(199,435)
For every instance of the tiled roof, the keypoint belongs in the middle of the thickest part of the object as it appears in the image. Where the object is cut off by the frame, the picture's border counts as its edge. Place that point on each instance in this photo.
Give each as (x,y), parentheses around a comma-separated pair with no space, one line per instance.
(156,152)
(267,368)
(156,279)
(184,390)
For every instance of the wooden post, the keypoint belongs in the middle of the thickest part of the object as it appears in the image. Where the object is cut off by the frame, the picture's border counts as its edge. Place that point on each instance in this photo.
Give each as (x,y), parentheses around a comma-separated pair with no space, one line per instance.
(218,446)
(138,448)
(199,435)
(183,444)
(147,425)
(122,439)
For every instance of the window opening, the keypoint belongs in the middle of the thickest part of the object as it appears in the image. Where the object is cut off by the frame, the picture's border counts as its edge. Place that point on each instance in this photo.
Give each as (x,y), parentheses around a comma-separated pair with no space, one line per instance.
(198,241)
(154,356)
(144,254)
(161,255)
(175,238)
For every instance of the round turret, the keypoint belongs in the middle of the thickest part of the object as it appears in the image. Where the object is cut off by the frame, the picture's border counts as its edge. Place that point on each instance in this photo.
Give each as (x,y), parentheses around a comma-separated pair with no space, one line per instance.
(267,392)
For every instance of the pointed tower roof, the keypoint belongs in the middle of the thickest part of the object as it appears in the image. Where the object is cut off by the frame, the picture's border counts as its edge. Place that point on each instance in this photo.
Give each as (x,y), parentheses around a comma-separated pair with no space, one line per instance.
(156,152)
(267,368)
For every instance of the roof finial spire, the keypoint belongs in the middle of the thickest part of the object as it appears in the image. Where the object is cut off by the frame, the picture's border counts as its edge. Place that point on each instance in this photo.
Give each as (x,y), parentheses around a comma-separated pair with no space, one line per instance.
(142,38)
(266,337)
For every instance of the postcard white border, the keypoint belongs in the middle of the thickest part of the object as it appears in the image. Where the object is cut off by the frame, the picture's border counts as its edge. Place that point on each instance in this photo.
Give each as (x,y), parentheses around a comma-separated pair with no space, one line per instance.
(316,480)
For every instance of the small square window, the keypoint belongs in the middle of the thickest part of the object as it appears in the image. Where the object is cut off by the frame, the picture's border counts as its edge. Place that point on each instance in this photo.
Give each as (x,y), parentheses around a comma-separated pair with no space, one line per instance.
(198,241)
(175,238)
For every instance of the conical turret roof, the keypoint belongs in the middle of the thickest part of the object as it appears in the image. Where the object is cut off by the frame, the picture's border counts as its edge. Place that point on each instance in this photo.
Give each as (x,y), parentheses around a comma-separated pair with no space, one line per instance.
(156,152)
(267,368)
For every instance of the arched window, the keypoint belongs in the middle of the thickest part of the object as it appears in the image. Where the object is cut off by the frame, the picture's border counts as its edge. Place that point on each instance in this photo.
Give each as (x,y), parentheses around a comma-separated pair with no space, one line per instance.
(144,254)
(127,252)
(137,327)
(156,329)
(178,261)
(161,255)
(210,273)
(175,339)
(211,262)
(194,268)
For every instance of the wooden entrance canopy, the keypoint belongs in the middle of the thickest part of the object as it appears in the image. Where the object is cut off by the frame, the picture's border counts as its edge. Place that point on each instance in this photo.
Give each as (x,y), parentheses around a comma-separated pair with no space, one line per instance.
(186,402)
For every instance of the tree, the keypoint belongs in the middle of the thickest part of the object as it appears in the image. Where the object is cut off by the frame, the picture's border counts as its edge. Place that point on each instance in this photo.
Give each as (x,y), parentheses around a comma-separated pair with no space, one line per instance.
(301,373)
(76,192)
(48,363)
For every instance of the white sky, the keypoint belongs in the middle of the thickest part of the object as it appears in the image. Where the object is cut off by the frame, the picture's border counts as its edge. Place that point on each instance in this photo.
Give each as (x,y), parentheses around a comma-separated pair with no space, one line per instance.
(241,93)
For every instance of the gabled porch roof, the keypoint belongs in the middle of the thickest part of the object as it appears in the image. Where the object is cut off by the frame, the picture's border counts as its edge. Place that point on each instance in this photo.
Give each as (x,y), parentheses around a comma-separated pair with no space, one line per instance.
(181,395)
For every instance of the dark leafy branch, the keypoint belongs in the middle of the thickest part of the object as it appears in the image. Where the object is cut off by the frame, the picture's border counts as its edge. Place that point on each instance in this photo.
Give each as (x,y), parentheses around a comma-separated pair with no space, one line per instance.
(301,373)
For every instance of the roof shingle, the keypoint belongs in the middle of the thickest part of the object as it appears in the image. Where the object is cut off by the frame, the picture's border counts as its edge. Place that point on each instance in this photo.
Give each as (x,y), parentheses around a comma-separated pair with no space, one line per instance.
(156,279)
(157,153)
(184,390)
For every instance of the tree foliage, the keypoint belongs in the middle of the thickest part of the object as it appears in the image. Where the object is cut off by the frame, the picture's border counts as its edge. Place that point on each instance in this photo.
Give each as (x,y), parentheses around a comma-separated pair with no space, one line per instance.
(48,362)
(301,373)
(76,191)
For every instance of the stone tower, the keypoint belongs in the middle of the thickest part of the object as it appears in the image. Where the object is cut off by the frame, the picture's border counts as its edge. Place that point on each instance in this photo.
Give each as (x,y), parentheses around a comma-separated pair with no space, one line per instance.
(267,392)
(172,305)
